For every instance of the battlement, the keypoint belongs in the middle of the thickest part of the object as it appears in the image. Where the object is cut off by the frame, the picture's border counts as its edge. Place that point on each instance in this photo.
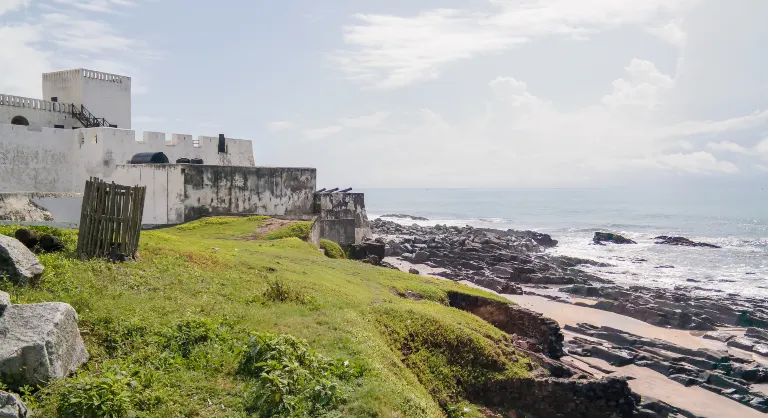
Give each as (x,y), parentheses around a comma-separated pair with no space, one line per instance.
(90,74)
(36,104)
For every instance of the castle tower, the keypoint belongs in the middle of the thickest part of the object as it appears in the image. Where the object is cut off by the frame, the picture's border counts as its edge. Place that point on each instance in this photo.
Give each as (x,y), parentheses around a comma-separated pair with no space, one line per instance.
(105,95)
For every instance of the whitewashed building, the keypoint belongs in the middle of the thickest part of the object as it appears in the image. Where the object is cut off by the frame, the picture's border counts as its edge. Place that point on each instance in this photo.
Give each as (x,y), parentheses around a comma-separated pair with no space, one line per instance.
(81,128)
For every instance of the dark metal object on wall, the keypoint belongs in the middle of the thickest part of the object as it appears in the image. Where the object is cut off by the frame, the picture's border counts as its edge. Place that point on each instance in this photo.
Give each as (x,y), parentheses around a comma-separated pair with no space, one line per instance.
(149,158)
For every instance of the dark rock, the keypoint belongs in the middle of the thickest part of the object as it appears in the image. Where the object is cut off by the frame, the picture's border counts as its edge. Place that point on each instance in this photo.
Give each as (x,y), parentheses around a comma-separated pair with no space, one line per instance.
(413,271)
(665,267)
(616,357)
(686,380)
(403,216)
(759,334)
(27,237)
(601,237)
(743,343)
(51,244)
(682,241)
(718,336)
(420,257)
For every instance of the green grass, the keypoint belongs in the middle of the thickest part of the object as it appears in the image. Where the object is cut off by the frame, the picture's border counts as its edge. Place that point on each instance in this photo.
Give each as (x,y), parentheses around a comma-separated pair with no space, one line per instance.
(298,230)
(169,334)
(332,249)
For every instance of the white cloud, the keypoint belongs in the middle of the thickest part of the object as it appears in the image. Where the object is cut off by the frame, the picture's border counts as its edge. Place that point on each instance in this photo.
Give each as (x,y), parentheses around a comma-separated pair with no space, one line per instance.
(521,140)
(280,125)
(11,5)
(65,36)
(372,121)
(672,33)
(387,51)
(101,6)
(696,162)
(761,149)
(320,133)
(727,146)
(762,168)
(642,88)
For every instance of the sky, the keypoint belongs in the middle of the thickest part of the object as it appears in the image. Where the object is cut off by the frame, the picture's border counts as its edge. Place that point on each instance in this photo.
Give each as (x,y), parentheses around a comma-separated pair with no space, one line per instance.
(428,93)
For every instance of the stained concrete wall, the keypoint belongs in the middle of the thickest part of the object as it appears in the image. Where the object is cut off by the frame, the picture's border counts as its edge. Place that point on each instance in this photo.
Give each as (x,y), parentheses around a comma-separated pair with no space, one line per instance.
(35,161)
(178,193)
(338,206)
(226,190)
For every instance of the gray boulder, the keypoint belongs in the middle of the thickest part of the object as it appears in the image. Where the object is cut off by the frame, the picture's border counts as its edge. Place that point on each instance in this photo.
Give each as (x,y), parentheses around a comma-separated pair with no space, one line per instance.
(11,406)
(5,301)
(38,343)
(17,262)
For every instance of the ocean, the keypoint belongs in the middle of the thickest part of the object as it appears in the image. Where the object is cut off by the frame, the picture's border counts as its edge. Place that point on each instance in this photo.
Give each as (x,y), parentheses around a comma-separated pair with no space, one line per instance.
(735,218)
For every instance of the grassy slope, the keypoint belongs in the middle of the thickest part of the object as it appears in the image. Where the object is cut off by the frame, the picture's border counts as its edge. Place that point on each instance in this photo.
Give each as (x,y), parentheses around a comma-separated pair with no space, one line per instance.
(209,272)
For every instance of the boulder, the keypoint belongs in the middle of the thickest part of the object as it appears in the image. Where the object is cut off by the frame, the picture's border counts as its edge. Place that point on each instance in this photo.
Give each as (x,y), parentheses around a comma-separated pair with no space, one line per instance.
(501,272)
(11,406)
(682,242)
(18,262)
(601,237)
(27,237)
(757,333)
(718,336)
(38,343)
(420,257)
(761,349)
(743,343)
(5,301)
(413,271)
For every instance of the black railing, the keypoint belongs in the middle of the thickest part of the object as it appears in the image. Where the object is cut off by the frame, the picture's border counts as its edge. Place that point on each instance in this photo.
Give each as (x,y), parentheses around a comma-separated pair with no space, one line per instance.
(88,119)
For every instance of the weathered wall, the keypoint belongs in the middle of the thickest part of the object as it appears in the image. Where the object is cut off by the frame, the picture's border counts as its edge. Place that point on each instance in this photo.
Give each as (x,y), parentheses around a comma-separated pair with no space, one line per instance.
(224,190)
(340,231)
(337,206)
(35,161)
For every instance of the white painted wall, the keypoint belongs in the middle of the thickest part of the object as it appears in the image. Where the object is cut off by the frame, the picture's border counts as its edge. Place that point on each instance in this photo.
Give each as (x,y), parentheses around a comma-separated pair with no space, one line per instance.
(165,189)
(60,160)
(105,95)
(39,113)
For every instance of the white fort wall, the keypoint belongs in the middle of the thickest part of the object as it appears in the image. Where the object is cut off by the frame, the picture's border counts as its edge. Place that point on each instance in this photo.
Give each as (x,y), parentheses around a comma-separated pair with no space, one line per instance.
(39,113)
(106,95)
(60,160)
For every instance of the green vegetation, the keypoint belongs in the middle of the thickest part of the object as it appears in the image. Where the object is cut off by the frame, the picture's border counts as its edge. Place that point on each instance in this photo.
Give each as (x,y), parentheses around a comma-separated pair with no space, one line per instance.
(298,230)
(332,249)
(209,324)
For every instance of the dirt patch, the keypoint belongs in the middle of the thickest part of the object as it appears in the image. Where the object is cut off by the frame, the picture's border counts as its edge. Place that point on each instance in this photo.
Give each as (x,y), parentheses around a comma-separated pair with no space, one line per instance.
(270,225)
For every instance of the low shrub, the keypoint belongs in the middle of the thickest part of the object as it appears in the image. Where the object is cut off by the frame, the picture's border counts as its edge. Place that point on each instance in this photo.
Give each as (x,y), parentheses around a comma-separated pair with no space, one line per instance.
(280,291)
(108,396)
(289,379)
(298,230)
(186,334)
(332,249)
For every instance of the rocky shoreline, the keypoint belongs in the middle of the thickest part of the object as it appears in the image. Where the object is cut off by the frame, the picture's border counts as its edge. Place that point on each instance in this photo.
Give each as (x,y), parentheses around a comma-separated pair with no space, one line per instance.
(517,263)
